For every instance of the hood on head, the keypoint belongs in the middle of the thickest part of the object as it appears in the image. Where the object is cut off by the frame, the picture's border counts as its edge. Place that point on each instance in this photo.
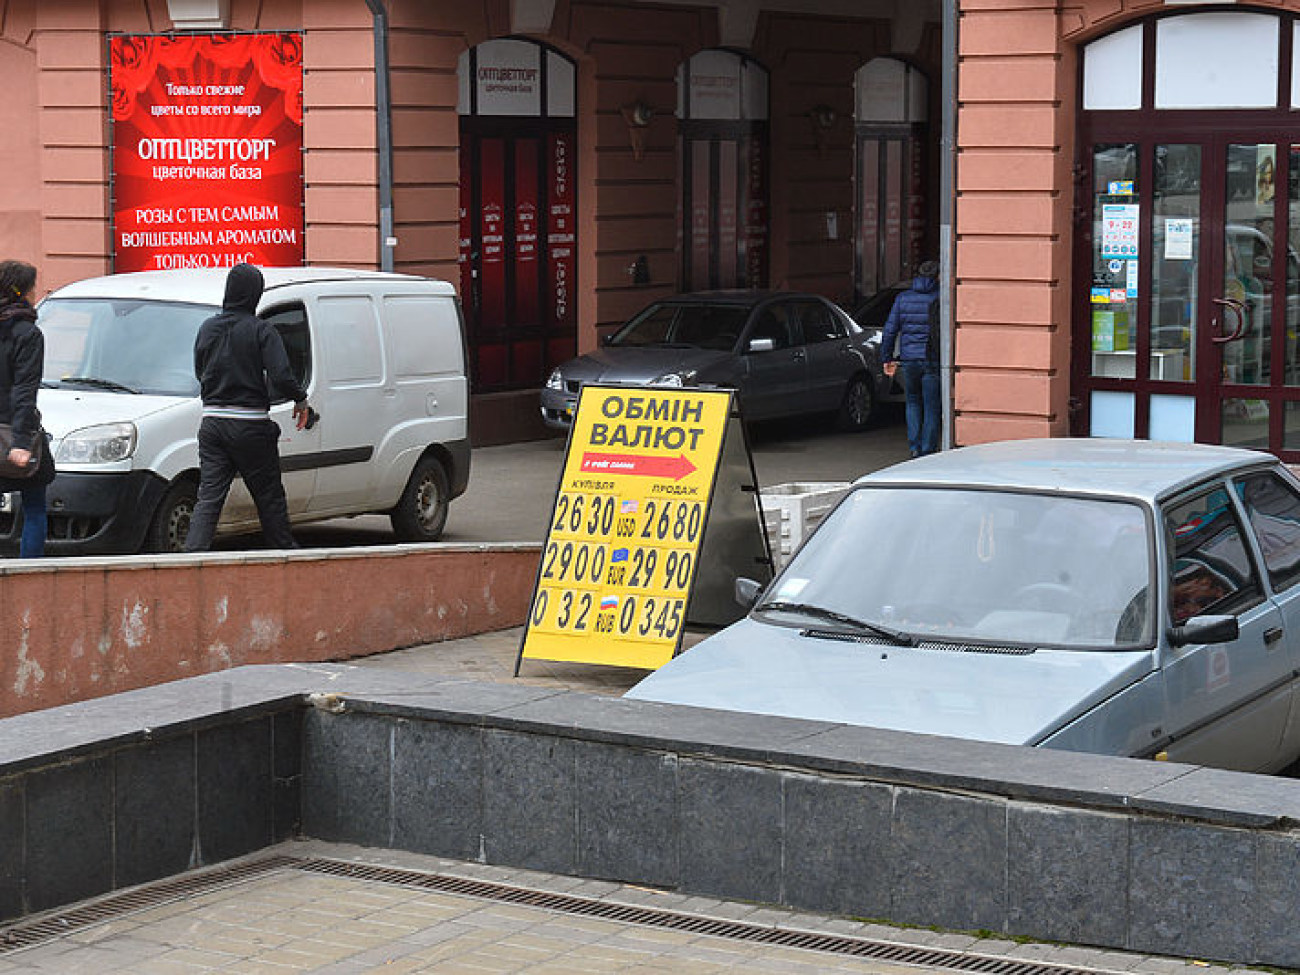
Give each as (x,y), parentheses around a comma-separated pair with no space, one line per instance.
(243,289)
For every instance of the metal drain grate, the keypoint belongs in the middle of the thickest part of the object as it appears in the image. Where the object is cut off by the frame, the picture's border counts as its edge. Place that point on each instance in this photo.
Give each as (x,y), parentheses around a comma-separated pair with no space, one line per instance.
(694,924)
(53,925)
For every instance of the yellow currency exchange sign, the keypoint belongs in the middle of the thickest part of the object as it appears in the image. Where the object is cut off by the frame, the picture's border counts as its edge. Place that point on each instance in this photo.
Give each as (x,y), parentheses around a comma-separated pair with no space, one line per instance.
(624,542)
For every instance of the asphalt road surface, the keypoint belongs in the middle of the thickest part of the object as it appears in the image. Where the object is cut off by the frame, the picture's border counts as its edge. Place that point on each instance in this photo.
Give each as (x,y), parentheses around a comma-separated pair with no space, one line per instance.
(512,487)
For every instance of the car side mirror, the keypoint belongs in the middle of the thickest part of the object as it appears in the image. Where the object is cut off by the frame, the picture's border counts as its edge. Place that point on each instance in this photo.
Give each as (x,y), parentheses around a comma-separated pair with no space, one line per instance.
(747,592)
(1205,629)
(761,345)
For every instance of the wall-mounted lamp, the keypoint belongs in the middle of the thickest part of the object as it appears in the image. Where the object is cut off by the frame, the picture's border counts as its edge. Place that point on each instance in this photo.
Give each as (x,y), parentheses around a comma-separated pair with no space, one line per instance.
(639,270)
(637,116)
(822,118)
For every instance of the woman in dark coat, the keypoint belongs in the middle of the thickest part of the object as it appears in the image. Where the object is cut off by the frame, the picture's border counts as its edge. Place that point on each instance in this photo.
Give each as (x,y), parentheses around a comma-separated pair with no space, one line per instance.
(22,361)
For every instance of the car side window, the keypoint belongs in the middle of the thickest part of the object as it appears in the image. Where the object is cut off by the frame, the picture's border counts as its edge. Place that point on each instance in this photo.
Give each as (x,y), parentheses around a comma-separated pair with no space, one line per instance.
(1273,509)
(819,325)
(1209,569)
(291,323)
(776,323)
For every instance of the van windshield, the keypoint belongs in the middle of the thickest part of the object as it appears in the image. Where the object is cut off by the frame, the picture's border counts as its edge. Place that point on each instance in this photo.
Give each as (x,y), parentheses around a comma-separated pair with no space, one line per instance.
(121,344)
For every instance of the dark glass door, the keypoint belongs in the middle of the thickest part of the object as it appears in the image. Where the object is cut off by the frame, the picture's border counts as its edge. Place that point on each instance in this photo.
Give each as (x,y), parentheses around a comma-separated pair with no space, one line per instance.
(1189,289)
(517,249)
(724,205)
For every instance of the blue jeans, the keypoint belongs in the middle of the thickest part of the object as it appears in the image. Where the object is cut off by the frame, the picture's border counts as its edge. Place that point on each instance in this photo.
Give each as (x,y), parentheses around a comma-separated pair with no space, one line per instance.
(32,544)
(924,407)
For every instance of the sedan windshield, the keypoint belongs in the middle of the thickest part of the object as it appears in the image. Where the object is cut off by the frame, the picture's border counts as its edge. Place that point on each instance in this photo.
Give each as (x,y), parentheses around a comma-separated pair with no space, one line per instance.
(121,345)
(983,566)
(701,325)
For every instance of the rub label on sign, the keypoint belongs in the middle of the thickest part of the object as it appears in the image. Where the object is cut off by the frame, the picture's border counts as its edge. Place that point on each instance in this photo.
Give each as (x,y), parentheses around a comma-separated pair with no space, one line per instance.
(623,545)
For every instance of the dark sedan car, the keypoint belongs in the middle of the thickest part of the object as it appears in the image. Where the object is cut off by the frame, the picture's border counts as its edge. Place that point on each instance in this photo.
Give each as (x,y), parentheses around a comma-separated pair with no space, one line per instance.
(786,353)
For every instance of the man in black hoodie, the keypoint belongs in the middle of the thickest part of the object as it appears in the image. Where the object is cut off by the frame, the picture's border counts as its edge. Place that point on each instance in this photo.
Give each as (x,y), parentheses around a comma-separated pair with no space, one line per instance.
(237,358)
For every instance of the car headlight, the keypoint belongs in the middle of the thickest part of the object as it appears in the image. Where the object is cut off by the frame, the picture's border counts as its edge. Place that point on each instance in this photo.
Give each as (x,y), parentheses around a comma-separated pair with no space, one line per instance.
(683,377)
(555,380)
(103,444)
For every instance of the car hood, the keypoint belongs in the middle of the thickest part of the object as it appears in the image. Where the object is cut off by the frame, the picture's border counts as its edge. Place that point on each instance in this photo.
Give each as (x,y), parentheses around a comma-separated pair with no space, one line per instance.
(65,410)
(640,364)
(1002,697)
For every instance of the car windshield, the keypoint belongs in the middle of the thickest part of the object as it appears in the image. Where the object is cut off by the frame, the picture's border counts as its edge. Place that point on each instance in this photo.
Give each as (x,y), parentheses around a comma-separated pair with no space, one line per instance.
(700,325)
(979,565)
(121,345)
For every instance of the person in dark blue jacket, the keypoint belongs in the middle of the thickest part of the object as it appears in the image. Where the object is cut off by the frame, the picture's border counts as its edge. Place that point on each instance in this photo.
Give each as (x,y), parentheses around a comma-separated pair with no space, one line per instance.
(908,325)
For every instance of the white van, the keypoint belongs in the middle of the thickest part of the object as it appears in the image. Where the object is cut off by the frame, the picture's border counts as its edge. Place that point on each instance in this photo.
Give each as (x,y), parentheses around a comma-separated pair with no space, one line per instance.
(382,357)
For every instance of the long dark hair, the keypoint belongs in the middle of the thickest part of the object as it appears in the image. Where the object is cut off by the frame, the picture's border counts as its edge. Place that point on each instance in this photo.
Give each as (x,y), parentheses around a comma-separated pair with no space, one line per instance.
(17,278)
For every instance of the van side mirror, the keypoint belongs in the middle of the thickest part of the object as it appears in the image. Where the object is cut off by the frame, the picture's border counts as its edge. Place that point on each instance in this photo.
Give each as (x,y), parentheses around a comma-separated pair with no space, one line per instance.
(761,345)
(747,592)
(1205,629)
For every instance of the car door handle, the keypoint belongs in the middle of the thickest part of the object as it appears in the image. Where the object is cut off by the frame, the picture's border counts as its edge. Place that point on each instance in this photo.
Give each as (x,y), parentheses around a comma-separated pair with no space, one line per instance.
(1273,634)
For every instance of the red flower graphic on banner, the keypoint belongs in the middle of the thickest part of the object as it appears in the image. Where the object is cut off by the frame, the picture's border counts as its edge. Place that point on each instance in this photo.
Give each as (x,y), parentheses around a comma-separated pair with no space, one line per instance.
(131,60)
(293,103)
(225,50)
(279,61)
(123,102)
(176,52)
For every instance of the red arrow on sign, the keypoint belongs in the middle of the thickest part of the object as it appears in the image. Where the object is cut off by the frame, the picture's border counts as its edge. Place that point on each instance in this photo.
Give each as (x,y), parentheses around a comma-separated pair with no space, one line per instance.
(673,467)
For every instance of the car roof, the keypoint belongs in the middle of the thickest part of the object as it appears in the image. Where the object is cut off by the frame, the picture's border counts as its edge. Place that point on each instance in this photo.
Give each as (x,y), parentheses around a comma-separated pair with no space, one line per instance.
(735,296)
(1142,470)
(207,286)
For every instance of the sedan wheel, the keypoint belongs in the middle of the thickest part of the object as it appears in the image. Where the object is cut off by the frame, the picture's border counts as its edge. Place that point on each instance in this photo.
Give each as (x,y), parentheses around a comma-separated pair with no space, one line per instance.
(858,405)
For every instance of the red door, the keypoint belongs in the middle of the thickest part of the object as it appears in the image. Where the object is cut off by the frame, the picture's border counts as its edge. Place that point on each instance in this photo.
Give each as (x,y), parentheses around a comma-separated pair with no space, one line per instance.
(518,257)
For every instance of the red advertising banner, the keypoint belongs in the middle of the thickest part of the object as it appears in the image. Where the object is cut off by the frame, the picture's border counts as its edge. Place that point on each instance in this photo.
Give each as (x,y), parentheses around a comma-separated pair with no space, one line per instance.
(207,150)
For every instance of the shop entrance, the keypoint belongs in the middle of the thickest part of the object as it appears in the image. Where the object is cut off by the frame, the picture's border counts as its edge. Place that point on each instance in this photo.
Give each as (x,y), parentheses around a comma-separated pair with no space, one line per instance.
(518,231)
(722,137)
(1187,298)
(890,98)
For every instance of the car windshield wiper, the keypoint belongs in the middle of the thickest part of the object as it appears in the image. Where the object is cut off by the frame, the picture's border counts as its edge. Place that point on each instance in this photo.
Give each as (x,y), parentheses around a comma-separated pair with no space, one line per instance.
(821,612)
(99,383)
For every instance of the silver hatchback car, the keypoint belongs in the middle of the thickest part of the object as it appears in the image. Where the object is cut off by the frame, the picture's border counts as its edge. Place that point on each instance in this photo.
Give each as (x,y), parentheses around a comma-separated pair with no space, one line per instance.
(786,353)
(1117,597)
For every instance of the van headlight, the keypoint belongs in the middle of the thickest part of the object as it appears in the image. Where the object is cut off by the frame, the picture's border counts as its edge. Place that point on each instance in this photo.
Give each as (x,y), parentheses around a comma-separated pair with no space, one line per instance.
(555,380)
(103,444)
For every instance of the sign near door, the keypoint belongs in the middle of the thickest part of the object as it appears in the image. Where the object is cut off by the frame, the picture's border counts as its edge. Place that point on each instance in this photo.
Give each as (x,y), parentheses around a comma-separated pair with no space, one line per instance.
(1119,230)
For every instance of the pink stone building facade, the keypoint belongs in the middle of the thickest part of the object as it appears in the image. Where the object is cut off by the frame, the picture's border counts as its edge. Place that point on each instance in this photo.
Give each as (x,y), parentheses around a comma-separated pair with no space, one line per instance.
(779,143)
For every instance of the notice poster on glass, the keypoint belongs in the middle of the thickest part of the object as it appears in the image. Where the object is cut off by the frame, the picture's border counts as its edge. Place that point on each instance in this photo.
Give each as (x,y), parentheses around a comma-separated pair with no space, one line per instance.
(1119,230)
(206,150)
(1178,239)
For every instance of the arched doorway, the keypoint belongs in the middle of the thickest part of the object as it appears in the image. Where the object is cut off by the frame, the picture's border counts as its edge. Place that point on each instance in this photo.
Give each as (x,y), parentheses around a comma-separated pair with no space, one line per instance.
(518,211)
(890,98)
(722,111)
(1187,282)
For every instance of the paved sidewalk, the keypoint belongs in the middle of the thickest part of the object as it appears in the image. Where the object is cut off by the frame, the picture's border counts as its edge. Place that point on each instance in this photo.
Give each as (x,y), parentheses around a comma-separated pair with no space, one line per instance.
(291,919)
(492,656)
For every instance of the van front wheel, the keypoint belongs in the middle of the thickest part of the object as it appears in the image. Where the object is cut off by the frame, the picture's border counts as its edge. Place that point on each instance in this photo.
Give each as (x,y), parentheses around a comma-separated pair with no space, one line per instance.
(421,514)
(171,519)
